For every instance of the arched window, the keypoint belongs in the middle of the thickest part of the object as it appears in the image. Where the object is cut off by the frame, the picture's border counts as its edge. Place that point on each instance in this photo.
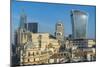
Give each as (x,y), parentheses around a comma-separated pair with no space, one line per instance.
(59,33)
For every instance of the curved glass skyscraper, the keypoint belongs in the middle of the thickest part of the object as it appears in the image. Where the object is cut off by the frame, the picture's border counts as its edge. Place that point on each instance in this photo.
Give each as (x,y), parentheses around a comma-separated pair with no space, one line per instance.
(79,24)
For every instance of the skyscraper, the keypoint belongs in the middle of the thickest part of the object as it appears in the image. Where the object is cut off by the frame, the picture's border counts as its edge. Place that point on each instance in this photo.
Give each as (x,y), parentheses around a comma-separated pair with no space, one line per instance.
(32,27)
(59,30)
(79,24)
(23,20)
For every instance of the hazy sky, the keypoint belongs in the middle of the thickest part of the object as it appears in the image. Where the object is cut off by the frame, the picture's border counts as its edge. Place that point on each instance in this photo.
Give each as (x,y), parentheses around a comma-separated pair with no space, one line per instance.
(47,15)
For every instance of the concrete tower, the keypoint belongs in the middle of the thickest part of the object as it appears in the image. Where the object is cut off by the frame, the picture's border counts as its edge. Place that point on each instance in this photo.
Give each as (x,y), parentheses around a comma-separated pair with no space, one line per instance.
(59,30)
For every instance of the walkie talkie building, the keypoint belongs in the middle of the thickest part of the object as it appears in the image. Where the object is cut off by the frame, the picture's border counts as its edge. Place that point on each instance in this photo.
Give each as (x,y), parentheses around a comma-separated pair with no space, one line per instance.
(79,24)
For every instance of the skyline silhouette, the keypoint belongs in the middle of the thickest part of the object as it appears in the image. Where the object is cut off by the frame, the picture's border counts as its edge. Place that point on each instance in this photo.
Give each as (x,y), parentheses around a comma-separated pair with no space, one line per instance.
(47,15)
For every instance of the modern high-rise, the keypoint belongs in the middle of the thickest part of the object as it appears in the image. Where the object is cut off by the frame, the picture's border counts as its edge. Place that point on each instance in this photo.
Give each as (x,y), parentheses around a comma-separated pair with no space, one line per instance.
(32,27)
(59,30)
(23,20)
(79,24)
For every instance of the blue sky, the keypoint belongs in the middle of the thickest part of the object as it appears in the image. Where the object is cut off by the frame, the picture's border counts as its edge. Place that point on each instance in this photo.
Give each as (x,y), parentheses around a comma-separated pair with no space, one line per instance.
(47,15)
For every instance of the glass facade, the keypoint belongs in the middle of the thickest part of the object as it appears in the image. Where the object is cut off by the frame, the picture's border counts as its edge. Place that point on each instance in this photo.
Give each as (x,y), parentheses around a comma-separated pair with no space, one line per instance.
(23,19)
(32,27)
(79,24)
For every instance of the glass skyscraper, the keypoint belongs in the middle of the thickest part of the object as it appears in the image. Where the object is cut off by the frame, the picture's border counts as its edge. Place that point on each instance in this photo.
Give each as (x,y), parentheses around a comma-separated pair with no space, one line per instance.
(32,27)
(23,20)
(79,24)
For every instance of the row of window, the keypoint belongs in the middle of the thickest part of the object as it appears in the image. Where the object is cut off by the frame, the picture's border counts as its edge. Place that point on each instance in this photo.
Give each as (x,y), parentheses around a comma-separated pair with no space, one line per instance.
(79,41)
(33,53)
(59,24)
(35,59)
(59,33)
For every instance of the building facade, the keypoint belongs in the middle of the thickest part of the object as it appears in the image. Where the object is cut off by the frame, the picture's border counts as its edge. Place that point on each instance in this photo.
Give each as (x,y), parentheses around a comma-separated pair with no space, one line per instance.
(35,48)
(79,24)
(81,49)
(32,27)
(59,31)
(23,20)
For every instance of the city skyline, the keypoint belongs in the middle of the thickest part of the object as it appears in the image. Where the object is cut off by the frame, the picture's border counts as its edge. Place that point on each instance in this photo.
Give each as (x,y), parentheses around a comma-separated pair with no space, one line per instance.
(47,16)
(47,33)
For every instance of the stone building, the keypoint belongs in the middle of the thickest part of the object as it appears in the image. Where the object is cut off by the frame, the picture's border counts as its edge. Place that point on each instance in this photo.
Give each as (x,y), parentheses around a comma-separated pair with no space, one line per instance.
(35,48)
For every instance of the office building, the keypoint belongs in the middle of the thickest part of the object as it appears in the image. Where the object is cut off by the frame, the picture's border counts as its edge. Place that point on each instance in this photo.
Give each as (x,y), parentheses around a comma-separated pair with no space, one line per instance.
(32,27)
(79,24)
(23,20)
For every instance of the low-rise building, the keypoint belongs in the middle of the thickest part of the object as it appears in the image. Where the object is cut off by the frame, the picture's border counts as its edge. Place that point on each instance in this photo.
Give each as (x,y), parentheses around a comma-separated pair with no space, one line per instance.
(91,43)
(35,48)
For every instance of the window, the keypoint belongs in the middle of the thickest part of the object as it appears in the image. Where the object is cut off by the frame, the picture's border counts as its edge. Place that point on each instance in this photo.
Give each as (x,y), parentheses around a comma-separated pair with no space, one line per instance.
(37,53)
(28,60)
(34,59)
(59,33)
(59,24)
(28,53)
(33,53)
